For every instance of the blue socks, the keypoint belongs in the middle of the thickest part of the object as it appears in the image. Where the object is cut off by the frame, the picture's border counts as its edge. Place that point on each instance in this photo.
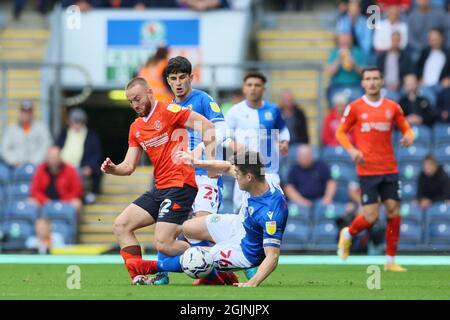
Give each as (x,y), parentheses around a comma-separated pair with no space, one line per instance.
(169,263)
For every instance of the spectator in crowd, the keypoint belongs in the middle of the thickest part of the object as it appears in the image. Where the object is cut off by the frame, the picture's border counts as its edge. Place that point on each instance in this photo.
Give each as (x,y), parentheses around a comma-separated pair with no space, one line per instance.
(420,22)
(56,180)
(42,6)
(382,39)
(345,63)
(417,109)
(27,141)
(235,97)
(396,64)
(154,72)
(403,5)
(86,5)
(44,239)
(333,119)
(356,24)
(434,61)
(443,101)
(81,148)
(203,5)
(309,180)
(295,118)
(434,183)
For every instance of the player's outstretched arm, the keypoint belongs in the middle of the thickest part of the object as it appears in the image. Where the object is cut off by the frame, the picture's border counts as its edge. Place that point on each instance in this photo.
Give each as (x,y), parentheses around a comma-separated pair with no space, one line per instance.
(127,166)
(341,136)
(266,267)
(213,166)
(199,123)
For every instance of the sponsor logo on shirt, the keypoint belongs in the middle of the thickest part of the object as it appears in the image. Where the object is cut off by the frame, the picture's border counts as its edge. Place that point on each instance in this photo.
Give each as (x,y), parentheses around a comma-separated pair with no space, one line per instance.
(271,227)
(214,107)
(270,214)
(155,142)
(268,116)
(378,126)
(251,210)
(157,124)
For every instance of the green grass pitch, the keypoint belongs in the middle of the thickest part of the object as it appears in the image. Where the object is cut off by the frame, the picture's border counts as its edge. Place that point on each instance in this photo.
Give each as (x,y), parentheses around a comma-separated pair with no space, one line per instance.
(287,282)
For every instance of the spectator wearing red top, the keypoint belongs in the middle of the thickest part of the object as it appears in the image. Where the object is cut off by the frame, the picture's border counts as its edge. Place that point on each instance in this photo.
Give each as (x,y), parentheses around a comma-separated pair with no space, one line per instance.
(404,5)
(333,119)
(56,180)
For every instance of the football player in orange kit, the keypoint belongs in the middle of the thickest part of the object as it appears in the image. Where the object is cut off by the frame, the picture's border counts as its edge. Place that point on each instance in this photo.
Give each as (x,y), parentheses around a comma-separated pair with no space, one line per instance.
(372,119)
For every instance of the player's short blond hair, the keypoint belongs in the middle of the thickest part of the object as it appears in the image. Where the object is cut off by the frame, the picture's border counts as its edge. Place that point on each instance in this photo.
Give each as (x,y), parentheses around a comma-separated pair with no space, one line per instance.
(136,81)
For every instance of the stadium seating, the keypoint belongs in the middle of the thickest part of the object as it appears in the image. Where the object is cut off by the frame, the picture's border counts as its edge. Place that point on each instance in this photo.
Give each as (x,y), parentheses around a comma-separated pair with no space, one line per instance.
(441,134)
(410,211)
(296,235)
(410,234)
(438,212)
(439,235)
(299,213)
(16,233)
(22,210)
(336,154)
(342,194)
(414,153)
(324,236)
(324,213)
(342,171)
(409,190)
(422,136)
(18,191)
(65,229)
(4,174)
(409,171)
(23,173)
(56,210)
(442,153)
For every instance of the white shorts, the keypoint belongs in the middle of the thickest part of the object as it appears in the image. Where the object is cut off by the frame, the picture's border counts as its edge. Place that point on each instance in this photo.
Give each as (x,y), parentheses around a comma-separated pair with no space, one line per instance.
(227,232)
(273,178)
(208,195)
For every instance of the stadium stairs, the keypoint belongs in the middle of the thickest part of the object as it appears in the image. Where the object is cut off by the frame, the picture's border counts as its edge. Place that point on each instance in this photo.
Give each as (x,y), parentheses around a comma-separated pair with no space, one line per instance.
(298,37)
(23,41)
(118,192)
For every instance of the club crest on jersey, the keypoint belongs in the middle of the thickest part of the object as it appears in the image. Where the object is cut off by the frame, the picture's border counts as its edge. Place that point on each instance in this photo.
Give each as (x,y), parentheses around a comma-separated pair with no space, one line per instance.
(137,134)
(364,116)
(271,227)
(214,106)
(251,210)
(174,107)
(268,116)
(388,114)
(157,124)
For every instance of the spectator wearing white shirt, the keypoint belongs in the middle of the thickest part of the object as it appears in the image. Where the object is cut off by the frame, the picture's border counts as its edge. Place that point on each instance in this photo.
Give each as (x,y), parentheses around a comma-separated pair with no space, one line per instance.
(382,36)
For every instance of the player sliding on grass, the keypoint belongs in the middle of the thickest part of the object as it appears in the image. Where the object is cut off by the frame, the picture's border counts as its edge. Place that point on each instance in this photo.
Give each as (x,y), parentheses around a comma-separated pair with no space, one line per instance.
(372,118)
(160,132)
(243,241)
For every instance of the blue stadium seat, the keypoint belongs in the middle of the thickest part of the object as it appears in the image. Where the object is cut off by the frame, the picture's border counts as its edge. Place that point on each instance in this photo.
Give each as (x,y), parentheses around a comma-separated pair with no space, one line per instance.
(342,195)
(438,212)
(441,134)
(325,233)
(56,210)
(439,235)
(226,207)
(422,136)
(410,211)
(328,212)
(16,233)
(442,153)
(409,170)
(299,213)
(412,154)
(65,230)
(296,235)
(446,166)
(18,191)
(409,190)
(228,187)
(23,173)
(342,171)
(4,174)
(336,154)
(22,210)
(410,233)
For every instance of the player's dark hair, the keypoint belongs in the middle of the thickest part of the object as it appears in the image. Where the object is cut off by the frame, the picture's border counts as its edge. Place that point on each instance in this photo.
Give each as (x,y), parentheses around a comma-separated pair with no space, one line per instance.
(371,68)
(135,81)
(438,30)
(430,157)
(255,74)
(178,64)
(250,162)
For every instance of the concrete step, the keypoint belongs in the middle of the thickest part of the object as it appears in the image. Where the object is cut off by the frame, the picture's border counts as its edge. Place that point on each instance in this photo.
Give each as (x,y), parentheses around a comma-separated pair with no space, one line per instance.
(21,55)
(99,208)
(107,229)
(299,35)
(286,55)
(146,239)
(29,34)
(296,44)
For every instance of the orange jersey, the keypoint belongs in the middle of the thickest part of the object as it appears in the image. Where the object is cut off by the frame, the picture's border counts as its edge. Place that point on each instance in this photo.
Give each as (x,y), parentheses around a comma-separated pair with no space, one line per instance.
(161,134)
(373,123)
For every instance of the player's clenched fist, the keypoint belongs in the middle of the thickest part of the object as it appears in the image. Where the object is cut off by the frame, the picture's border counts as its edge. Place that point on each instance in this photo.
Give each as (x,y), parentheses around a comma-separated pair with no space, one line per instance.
(108,166)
